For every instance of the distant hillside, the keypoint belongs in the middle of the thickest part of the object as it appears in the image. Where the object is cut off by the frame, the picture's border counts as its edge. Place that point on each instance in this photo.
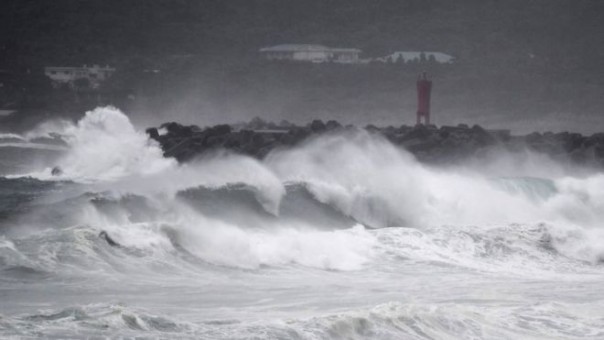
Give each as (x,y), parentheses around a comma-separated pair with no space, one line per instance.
(516,60)
(565,33)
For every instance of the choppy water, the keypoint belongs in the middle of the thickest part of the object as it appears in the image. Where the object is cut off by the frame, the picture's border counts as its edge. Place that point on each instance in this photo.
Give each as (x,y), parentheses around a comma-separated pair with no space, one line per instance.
(345,237)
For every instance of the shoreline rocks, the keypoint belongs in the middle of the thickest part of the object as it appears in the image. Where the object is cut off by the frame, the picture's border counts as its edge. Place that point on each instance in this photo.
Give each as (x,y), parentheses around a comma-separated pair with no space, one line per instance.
(429,144)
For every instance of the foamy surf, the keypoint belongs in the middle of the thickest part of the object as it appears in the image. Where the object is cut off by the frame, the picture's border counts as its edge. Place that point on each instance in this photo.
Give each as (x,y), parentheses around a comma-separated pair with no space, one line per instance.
(343,237)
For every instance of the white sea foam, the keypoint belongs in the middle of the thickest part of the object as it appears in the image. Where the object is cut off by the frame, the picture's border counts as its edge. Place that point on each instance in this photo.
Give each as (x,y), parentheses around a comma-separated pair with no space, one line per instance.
(368,178)
(38,146)
(225,244)
(472,252)
(104,146)
(358,174)
(11,136)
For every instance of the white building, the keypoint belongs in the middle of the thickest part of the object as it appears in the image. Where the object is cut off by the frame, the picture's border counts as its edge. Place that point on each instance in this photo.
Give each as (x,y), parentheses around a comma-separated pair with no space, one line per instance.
(415,56)
(311,53)
(68,75)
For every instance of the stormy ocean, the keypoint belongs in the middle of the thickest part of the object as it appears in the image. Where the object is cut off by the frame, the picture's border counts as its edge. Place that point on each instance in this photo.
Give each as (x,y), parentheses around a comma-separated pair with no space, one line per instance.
(343,237)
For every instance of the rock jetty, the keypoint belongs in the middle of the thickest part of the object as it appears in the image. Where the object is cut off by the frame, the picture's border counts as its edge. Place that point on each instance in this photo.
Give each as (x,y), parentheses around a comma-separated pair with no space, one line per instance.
(430,144)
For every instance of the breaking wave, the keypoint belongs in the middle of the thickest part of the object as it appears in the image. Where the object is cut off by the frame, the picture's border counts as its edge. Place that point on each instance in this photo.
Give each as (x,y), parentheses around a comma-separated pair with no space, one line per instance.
(349,202)
(385,321)
(333,188)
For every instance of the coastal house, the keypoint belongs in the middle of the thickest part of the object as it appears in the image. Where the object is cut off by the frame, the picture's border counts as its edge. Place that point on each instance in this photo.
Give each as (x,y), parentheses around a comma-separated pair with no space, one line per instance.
(311,53)
(416,56)
(94,75)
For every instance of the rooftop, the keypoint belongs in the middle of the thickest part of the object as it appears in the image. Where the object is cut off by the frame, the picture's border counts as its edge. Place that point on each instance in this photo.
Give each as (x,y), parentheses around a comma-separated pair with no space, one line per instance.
(305,48)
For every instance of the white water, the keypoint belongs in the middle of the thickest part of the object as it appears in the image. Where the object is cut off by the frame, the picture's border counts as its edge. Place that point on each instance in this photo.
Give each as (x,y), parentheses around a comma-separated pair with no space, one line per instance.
(455,253)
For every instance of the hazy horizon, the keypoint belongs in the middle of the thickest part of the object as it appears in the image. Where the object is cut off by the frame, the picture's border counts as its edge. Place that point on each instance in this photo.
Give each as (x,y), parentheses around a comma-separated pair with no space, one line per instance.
(524,66)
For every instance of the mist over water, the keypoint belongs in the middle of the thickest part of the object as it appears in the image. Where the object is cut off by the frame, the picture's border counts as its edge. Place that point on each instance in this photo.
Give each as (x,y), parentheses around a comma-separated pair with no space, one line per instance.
(345,236)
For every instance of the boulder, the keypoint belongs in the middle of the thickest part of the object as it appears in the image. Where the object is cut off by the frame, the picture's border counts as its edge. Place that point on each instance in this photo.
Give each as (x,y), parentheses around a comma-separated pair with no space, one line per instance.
(332,125)
(153,133)
(372,128)
(419,132)
(447,144)
(317,126)
(176,129)
(56,171)
(482,136)
(533,138)
(219,130)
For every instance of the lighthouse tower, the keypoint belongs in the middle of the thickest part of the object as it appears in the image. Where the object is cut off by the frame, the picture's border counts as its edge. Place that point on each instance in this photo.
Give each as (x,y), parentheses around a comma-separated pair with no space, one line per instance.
(424,87)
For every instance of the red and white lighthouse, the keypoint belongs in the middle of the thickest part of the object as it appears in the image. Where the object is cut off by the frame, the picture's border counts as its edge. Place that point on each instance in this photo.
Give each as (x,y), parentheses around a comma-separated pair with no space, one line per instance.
(424,87)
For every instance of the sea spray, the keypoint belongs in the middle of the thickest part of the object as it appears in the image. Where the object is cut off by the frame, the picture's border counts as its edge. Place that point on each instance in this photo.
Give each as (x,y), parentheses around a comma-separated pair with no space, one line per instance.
(102,146)
(345,235)
(282,245)
(365,176)
(105,146)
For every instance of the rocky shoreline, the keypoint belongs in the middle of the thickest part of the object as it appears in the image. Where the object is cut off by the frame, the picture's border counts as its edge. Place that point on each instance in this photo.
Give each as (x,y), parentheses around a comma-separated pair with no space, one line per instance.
(429,144)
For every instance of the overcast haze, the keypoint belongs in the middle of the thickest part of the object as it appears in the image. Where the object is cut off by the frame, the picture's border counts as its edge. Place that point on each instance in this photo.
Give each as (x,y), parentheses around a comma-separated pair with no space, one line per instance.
(524,65)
